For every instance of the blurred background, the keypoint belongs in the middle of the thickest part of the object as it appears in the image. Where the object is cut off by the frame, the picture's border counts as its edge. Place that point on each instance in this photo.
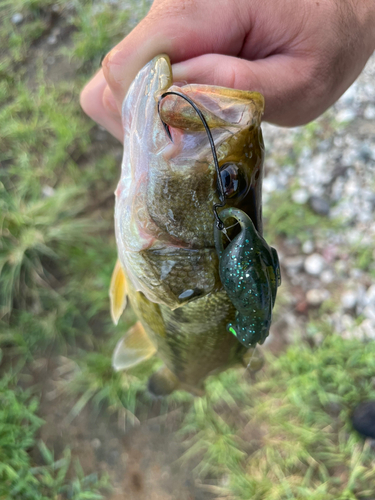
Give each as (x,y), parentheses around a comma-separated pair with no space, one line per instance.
(71,428)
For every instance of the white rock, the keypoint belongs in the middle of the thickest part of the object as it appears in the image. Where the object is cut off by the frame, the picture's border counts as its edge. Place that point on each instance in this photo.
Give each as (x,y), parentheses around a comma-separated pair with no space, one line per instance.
(327,276)
(370,296)
(345,115)
(368,327)
(269,184)
(369,312)
(317,296)
(293,264)
(96,443)
(314,264)
(17,18)
(361,298)
(51,40)
(369,112)
(349,299)
(355,273)
(47,191)
(308,247)
(300,196)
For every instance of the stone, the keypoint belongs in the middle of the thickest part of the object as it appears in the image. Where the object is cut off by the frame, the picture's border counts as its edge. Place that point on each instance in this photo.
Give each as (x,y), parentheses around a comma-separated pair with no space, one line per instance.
(369,312)
(327,276)
(319,205)
(17,18)
(366,153)
(96,443)
(317,296)
(300,196)
(369,112)
(51,40)
(345,115)
(308,247)
(269,184)
(293,264)
(314,264)
(363,419)
(368,328)
(349,299)
(47,191)
(370,296)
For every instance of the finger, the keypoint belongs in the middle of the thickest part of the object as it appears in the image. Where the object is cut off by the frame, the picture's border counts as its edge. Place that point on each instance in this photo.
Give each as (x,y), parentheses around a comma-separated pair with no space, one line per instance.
(99,104)
(288,84)
(178,29)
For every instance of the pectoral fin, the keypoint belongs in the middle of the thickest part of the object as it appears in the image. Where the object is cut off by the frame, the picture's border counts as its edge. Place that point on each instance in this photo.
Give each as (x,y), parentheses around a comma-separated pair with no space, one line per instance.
(117,292)
(133,348)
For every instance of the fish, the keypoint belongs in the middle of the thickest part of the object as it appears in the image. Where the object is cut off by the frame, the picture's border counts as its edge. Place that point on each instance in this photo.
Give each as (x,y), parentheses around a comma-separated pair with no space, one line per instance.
(168,264)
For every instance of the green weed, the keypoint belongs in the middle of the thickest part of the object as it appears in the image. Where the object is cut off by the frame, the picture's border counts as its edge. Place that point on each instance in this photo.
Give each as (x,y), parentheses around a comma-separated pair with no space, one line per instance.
(19,480)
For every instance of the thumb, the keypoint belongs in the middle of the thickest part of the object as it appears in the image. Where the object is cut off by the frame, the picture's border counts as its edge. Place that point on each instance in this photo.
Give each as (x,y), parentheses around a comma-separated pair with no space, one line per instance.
(284,80)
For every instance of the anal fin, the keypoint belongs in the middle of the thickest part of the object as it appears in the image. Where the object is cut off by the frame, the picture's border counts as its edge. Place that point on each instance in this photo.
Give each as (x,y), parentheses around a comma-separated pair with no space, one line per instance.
(133,348)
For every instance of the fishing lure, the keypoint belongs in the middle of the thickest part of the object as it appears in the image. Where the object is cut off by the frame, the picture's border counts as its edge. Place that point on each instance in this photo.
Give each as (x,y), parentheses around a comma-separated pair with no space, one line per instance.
(249,268)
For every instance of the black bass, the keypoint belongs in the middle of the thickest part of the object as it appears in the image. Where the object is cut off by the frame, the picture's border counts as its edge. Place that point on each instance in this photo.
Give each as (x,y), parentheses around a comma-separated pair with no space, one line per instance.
(168,266)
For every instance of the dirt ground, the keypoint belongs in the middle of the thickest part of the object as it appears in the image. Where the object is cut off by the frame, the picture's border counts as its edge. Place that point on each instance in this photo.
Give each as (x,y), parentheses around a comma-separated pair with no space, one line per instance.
(142,459)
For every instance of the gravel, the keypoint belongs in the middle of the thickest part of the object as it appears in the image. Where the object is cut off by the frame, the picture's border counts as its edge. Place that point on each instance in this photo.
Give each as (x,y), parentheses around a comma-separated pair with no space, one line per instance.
(317,296)
(314,264)
(333,174)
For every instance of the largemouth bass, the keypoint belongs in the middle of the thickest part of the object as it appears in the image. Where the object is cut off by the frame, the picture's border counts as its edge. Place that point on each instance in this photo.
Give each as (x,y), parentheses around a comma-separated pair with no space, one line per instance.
(168,266)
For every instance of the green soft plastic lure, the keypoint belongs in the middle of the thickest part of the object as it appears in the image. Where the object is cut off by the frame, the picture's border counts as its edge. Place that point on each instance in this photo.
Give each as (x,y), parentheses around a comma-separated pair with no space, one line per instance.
(250,273)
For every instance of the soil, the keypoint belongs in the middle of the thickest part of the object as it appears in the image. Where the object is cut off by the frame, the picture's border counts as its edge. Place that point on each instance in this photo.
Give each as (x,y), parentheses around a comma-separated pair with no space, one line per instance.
(141,459)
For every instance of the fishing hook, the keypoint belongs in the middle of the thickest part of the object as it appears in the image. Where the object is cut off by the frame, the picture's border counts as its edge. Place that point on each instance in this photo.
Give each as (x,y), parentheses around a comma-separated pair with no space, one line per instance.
(219,222)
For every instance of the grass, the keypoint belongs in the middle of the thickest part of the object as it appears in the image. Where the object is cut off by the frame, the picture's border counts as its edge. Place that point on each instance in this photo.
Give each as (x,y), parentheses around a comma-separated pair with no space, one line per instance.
(283,434)
(52,236)
(288,436)
(19,479)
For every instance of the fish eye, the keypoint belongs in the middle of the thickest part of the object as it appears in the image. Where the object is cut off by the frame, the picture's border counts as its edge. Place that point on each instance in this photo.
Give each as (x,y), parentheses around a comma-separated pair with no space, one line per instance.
(231,178)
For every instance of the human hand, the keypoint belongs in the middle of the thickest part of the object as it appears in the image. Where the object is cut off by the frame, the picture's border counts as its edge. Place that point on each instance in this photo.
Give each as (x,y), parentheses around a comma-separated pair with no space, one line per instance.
(300,54)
